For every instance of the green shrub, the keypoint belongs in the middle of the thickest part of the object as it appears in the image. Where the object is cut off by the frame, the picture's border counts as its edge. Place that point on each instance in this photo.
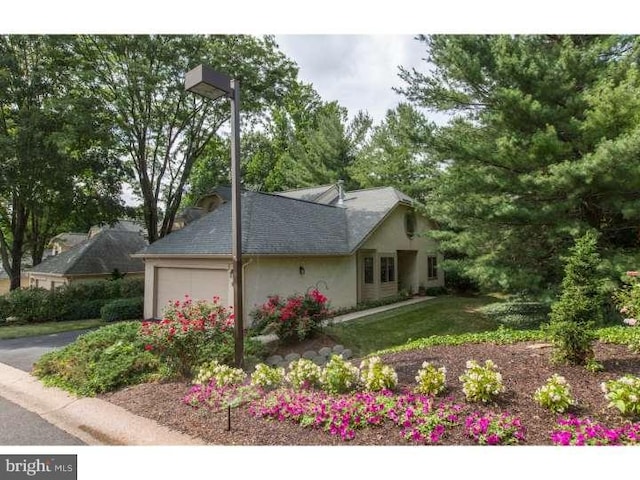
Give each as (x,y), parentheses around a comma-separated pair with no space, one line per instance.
(303,373)
(519,314)
(431,380)
(223,375)
(131,287)
(481,384)
(435,291)
(84,309)
(624,394)
(123,309)
(31,304)
(267,377)
(4,308)
(579,308)
(555,394)
(375,375)
(455,278)
(75,301)
(100,361)
(339,376)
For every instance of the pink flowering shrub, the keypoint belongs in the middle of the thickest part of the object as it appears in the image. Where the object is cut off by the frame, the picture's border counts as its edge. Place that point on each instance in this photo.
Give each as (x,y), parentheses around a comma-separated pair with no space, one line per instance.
(492,429)
(191,333)
(297,317)
(572,430)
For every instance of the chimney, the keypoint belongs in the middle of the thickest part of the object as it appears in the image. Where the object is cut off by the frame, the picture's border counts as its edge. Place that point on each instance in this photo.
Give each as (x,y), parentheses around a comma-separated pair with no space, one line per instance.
(341,193)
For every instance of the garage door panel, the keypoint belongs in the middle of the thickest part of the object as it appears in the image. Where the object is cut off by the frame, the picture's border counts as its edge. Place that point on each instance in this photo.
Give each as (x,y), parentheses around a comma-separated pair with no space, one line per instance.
(200,284)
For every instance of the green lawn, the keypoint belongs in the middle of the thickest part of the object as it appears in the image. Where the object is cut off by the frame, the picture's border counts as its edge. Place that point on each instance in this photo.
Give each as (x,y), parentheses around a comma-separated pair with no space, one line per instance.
(31,330)
(440,316)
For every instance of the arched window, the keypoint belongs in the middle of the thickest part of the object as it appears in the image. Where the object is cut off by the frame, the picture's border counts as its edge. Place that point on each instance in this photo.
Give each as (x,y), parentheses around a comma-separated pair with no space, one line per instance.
(410,223)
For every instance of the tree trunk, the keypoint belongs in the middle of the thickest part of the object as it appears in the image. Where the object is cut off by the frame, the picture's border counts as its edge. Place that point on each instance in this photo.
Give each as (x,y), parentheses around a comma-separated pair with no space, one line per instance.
(18,227)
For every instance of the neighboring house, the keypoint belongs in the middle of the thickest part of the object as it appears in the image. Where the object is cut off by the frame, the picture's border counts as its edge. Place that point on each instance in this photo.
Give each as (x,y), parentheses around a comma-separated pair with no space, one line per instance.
(97,257)
(354,246)
(5,281)
(65,241)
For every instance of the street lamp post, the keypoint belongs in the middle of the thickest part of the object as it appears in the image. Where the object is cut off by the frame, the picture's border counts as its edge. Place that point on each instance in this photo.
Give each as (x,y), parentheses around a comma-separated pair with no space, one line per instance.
(210,84)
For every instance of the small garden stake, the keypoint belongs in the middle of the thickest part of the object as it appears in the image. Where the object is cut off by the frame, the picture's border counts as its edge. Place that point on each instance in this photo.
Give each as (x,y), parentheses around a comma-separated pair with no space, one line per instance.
(228,418)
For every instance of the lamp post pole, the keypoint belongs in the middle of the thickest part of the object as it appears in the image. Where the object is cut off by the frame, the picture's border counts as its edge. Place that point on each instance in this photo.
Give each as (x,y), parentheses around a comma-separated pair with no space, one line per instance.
(236,229)
(210,84)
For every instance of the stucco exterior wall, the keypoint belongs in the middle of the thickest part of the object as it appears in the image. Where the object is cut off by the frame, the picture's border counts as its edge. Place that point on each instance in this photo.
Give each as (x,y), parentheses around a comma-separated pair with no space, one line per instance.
(335,277)
(391,236)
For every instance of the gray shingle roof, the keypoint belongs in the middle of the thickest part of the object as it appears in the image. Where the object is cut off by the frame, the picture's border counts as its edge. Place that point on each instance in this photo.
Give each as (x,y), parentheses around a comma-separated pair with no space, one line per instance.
(106,251)
(280,225)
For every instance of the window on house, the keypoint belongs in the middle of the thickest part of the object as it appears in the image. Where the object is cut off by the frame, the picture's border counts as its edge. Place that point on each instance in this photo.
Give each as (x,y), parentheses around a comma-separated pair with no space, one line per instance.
(432,267)
(368,270)
(387,269)
(410,224)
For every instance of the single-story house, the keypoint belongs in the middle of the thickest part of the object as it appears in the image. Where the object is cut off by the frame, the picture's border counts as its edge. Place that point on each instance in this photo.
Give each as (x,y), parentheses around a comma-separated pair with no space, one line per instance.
(102,253)
(65,241)
(353,246)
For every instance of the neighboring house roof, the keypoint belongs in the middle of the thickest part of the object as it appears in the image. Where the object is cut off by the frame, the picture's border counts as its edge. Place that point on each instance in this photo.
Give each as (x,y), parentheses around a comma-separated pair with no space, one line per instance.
(120,225)
(68,239)
(275,224)
(106,251)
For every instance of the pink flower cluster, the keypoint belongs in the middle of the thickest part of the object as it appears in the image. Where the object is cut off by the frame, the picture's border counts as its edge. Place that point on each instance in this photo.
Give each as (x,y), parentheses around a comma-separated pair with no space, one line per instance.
(492,429)
(298,316)
(216,397)
(419,419)
(577,431)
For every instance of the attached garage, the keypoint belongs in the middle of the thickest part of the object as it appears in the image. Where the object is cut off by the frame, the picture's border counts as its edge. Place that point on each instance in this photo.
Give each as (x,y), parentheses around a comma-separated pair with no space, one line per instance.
(170,283)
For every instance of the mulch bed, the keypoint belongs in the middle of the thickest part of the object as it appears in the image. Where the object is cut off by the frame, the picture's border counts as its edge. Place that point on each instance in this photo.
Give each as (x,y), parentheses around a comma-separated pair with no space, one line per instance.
(524,366)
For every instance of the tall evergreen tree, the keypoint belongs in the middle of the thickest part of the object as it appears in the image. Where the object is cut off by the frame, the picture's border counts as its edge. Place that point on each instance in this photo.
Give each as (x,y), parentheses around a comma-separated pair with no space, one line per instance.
(536,152)
(396,153)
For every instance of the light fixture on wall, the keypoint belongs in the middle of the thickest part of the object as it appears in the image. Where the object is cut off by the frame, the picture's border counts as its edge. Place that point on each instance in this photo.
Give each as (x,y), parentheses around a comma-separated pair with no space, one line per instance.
(301,270)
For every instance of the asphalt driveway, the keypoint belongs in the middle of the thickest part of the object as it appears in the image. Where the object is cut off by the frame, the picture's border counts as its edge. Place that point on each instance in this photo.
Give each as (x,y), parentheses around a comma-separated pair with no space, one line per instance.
(22,353)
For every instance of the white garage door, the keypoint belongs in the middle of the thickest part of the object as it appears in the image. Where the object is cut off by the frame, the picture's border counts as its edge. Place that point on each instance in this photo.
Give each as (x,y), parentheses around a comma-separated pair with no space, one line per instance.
(200,284)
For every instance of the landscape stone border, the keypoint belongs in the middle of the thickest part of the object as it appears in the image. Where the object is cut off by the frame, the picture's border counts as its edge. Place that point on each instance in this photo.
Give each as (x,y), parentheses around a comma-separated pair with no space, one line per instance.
(321,357)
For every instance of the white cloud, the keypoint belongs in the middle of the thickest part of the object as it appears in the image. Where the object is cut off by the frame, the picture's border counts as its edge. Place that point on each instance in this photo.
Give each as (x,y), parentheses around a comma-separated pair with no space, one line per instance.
(359,71)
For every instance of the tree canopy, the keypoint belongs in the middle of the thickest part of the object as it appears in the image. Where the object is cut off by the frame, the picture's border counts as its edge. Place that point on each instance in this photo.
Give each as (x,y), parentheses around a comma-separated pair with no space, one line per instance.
(163,130)
(58,169)
(543,145)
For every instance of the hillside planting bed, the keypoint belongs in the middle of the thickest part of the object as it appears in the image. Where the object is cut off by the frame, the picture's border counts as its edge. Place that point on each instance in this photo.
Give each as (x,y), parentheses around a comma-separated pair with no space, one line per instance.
(525,366)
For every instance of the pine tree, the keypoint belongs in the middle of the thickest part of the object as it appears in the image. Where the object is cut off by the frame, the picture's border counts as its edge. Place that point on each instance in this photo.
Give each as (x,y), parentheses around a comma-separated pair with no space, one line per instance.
(579,307)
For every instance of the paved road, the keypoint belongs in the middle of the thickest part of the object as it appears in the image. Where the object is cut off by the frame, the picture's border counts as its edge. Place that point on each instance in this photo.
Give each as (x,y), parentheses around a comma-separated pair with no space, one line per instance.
(22,353)
(17,425)
(22,427)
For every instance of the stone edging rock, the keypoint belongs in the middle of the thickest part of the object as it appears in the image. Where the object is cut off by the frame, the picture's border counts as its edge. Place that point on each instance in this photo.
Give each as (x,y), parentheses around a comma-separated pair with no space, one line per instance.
(319,358)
